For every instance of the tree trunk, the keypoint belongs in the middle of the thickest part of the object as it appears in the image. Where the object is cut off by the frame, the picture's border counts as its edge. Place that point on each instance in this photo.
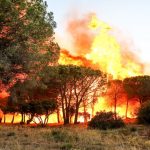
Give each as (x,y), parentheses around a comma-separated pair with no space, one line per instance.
(12,121)
(4,118)
(0,120)
(85,114)
(29,120)
(21,118)
(115,108)
(63,111)
(64,117)
(92,110)
(67,119)
(76,115)
(126,115)
(58,115)
(24,118)
(46,119)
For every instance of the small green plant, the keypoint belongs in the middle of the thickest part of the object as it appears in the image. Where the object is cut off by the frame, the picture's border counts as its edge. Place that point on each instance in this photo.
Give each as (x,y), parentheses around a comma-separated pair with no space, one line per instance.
(106,120)
(66,146)
(61,135)
(58,135)
(144,113)
(11,134)
(133,129)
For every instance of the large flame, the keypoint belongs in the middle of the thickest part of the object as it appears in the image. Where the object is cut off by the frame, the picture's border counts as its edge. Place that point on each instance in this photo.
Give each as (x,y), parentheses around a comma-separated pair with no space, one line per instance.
(104,52)
(95,45)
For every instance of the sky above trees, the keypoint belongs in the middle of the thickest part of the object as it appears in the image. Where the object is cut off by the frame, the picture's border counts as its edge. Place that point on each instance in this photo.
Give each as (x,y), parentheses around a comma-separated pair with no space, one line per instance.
(129,17)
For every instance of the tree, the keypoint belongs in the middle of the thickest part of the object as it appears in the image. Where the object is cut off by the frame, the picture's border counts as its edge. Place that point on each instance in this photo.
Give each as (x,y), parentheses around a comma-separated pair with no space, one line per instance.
(38,108)
(115,92)
(137,87)
(27,95)
(76,84)
(143,115)
(26,38)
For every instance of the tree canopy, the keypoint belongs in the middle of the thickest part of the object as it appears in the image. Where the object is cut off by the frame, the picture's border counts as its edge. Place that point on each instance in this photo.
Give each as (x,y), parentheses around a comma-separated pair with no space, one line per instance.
(75,85)
(138,87)
(26,38)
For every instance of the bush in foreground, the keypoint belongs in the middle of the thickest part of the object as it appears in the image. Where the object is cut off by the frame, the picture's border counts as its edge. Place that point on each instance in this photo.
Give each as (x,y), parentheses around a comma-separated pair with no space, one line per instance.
(106,120)
(143,115)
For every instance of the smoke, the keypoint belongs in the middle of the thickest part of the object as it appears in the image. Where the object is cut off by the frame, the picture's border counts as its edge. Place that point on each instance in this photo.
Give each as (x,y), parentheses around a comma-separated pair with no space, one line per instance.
(82,36)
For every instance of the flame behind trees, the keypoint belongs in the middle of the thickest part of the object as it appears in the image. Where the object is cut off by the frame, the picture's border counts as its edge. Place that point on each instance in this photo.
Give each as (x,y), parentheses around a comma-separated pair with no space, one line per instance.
(105,52)
(27,46)
(102,50)
(76,84)
(115,93)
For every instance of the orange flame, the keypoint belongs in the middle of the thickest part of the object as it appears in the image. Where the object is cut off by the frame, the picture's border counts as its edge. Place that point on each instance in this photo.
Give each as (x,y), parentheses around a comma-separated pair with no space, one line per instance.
(102,51)
(94,45)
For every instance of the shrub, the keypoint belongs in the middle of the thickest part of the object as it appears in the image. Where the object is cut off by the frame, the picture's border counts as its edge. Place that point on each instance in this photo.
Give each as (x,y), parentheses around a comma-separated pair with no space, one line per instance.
(11,134)
(67,146)
(133,129)
(59,135)
(105,120)
(143,115)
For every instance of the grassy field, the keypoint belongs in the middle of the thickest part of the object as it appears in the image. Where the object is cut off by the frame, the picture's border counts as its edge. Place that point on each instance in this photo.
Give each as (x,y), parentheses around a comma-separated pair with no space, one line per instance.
(78,137)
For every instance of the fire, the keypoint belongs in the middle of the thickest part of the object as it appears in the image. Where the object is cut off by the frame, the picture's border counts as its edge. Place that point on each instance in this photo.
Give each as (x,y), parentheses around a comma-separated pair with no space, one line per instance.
(104,105)
(94,45)
(104,52)
(66,58)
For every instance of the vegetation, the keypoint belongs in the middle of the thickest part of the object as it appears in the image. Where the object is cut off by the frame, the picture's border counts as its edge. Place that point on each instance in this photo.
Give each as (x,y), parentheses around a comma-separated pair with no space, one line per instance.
(75,85)
(138,88)
(144,113)
(27,46)
(73,137)
(26,39)
(115,92)
(38,87)
(106,120)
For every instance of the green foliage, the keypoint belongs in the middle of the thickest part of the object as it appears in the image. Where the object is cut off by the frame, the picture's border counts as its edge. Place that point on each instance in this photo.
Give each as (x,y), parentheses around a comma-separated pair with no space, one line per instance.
(105,120)
(143,115)
(75,84)
(26,38)
(67,73)
(61,135)
(138,87)
(39,107)
(67,146)
(11,134)
(133,129)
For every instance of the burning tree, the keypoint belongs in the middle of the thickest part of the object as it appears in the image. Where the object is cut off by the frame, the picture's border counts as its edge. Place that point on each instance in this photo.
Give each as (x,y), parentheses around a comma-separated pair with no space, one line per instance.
(115,93)
(32,101)
(76,84)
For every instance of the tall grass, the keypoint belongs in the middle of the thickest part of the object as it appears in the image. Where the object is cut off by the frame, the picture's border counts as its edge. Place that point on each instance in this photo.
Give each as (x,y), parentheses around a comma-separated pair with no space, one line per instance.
(74,138)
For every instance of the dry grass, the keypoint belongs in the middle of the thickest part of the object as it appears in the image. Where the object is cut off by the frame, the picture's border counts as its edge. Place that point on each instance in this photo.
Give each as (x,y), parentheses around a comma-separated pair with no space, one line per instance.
(74,138)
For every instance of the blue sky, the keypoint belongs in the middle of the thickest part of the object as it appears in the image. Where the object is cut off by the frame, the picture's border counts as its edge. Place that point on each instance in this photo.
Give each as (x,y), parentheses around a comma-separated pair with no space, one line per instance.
(129,16)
